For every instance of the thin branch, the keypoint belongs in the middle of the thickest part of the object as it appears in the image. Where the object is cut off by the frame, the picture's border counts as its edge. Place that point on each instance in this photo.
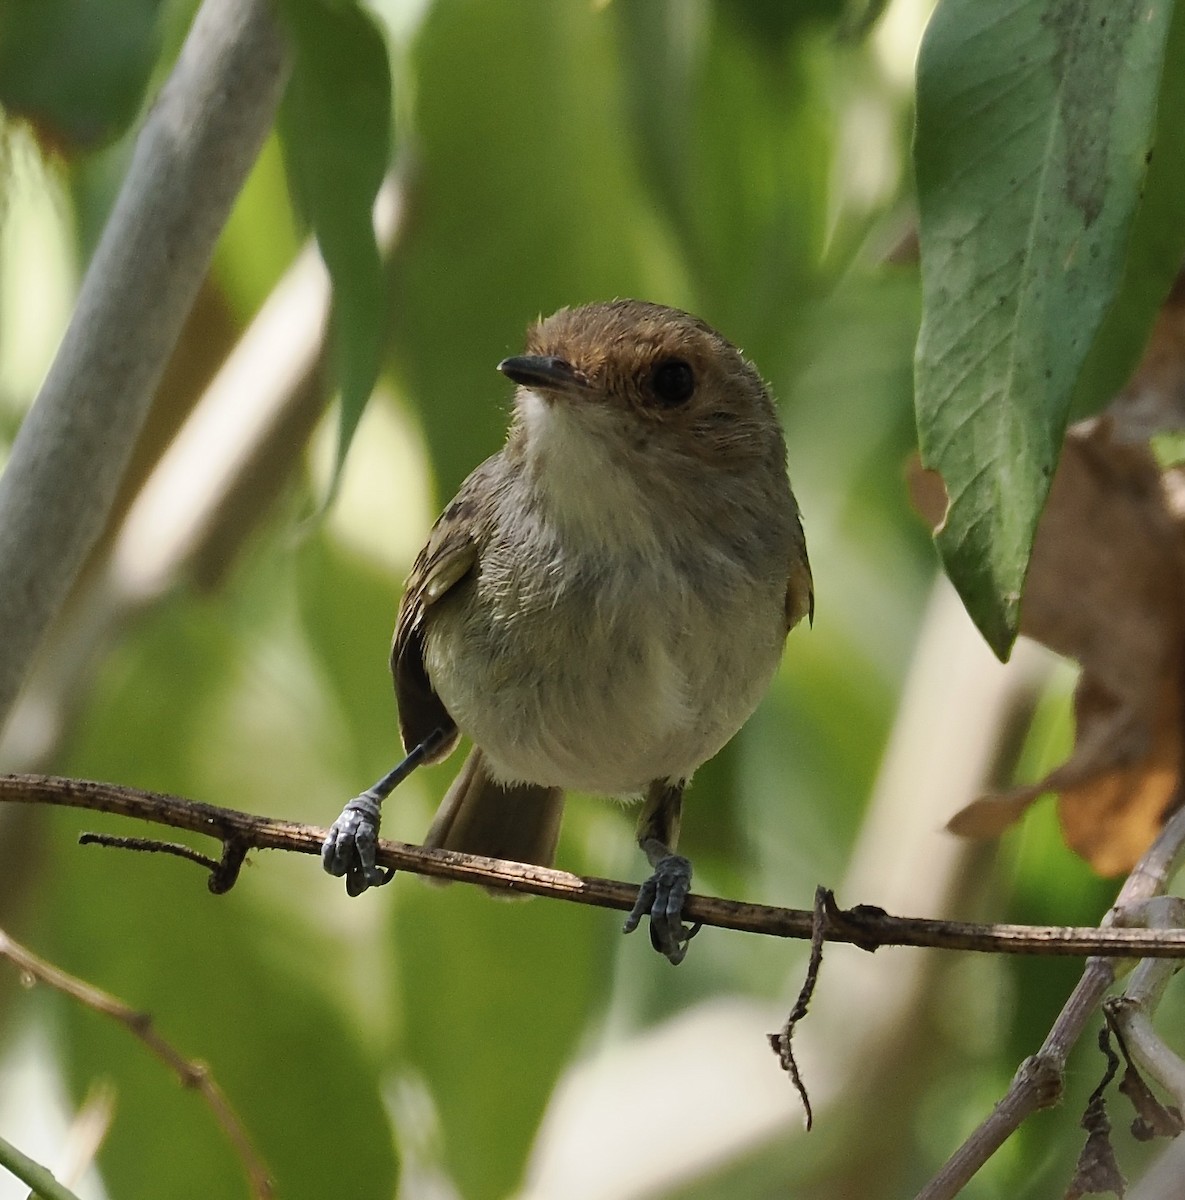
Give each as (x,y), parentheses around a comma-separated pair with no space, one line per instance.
(197,144)
(1038,1082)
(1131,1014)
(39,1178)
(191,1074)
(863,926)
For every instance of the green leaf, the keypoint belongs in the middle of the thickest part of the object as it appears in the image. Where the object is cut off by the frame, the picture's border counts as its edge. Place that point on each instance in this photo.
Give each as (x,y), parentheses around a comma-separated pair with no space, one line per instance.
(729,109)
(348,609)
(1036,127)
(76,70)
(335,125)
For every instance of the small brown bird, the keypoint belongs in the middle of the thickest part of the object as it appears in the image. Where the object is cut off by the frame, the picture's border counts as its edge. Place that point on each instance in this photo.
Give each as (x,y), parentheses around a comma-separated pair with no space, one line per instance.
(604,603)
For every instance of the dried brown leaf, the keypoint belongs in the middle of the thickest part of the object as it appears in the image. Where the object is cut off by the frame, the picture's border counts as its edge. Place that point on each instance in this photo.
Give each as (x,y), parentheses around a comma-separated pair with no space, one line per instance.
(1097,1171)
(1113,814)
(1105,588)
(1154,401)
(927,492)
(988,816)
(1152,1118)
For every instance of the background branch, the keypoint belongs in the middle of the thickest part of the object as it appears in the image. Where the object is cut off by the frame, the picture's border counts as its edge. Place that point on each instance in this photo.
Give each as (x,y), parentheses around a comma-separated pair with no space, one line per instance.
(1131,1013)
(191,1074)
(1039,1080)
(40,1179)
(863,926)
(206,495)
(197,144)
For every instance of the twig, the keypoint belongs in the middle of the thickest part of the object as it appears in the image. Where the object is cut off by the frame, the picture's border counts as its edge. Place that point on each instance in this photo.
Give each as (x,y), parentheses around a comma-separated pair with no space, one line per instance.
(197,144)
(39,1178)
(1038,1082)
(1131,1013)
(862,926)
(191,1074)
(782,1043)
(150,846)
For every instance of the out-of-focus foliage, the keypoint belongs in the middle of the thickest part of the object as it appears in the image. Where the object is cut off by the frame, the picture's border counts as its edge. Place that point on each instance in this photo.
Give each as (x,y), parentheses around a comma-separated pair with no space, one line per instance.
(76,70)
(744,160)
(336,129)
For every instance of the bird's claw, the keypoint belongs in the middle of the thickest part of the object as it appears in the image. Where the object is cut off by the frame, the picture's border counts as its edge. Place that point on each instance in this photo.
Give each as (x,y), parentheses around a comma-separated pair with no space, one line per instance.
(350,847)
(662,896)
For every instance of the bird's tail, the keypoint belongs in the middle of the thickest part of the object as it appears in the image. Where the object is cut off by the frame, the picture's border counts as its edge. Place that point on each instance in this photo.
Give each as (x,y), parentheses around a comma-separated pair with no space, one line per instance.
(520,822)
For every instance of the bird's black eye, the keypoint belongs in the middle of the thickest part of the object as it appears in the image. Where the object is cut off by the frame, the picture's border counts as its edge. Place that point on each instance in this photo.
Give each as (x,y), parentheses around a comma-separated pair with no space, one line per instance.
(672,382)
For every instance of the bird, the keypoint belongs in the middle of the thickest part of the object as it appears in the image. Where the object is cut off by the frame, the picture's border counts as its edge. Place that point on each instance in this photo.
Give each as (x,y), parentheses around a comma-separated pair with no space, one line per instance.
(604,602)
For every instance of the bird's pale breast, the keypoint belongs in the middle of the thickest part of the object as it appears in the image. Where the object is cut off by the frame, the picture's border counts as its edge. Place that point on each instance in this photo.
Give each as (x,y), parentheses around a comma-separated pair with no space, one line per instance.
(603,672)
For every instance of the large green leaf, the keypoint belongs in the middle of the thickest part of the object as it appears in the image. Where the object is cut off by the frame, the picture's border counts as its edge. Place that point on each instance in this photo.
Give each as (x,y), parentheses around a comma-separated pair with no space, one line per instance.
(335,123)
(1036,128)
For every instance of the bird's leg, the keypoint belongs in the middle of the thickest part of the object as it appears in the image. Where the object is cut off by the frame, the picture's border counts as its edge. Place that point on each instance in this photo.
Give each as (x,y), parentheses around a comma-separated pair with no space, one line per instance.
(662,895)
(349,849)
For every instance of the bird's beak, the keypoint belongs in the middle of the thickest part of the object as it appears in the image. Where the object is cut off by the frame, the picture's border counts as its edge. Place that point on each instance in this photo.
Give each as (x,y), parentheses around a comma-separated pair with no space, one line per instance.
(542,371)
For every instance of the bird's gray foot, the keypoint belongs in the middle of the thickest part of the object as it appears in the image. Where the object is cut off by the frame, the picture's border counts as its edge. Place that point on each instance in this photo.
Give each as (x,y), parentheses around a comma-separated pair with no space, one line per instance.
(662,897)
(349,849)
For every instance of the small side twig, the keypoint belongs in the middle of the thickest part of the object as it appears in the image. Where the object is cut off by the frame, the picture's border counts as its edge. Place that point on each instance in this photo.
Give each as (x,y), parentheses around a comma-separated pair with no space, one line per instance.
(191,1074)
(1130,1017)
(149,846)
(1152,1119)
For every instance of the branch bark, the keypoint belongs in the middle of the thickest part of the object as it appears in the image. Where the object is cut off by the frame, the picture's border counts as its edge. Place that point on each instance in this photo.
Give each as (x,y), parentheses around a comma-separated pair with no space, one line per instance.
(1039,1079)
(193,153)
(863,926)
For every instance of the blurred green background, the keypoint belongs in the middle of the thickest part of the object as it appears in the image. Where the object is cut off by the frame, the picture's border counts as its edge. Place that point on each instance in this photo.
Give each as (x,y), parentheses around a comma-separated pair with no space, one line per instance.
(747,160)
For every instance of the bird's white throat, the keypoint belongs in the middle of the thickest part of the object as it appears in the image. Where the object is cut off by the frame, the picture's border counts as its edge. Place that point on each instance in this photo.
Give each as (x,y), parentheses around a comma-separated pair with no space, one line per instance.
(588,491)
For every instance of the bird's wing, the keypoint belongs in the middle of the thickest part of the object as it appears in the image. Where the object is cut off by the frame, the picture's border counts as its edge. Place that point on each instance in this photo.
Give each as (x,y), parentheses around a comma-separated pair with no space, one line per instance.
(800,587)
(447,559)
